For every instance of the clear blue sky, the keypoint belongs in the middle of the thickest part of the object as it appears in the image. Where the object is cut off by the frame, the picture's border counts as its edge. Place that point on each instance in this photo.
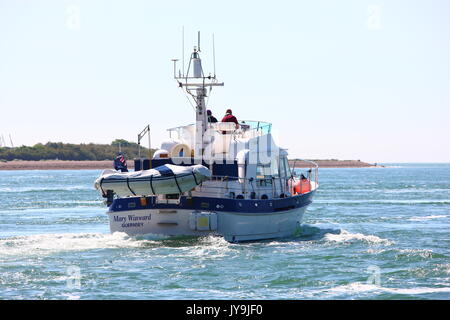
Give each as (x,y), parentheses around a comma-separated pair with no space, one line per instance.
(358,79)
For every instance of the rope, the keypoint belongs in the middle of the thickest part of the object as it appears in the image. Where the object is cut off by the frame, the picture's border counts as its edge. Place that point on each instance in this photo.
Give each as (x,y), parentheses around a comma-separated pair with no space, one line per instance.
(151,185)
(101,188)
(178,186)
(128,184)
(195,178)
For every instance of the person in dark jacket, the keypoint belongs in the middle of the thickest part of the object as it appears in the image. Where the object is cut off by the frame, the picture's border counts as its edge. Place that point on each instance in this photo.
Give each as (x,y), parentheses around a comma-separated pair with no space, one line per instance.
(120,164)
(211,118)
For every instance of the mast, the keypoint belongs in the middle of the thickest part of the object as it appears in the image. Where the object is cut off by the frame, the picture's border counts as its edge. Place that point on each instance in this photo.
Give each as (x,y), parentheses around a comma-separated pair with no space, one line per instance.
(196,84)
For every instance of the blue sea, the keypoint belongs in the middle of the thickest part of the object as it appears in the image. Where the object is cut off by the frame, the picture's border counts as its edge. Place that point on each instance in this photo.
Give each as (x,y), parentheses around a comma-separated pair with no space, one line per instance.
(371,233)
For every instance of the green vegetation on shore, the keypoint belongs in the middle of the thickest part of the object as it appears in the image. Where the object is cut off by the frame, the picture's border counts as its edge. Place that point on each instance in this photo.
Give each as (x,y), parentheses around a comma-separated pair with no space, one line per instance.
(99,152)
(68,151)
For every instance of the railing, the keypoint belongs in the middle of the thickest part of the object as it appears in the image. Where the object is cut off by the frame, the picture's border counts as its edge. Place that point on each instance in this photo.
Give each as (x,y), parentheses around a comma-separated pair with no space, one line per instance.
(247,128)
(239,188)
(309,169)
(259,188)
(259,127)
(181,131)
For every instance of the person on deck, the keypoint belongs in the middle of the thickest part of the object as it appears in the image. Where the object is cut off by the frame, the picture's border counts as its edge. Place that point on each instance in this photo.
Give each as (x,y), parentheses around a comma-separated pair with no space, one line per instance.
(120,164)
(230,118)
(211,118)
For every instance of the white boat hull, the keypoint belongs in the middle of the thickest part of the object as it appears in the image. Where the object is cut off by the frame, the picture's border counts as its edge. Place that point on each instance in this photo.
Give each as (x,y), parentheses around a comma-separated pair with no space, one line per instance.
(233,226)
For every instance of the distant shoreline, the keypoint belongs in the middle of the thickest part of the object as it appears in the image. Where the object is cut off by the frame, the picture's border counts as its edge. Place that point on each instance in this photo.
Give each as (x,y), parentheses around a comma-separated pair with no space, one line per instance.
(334,163)
(58,165)
(108,164)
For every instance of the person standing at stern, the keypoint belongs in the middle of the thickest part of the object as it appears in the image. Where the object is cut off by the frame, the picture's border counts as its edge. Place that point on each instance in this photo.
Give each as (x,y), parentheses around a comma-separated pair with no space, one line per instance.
(230,118)
(211,118)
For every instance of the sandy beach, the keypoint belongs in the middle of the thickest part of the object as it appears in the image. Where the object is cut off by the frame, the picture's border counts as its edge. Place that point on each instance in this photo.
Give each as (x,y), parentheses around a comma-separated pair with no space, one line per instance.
(58,165)
(108,164)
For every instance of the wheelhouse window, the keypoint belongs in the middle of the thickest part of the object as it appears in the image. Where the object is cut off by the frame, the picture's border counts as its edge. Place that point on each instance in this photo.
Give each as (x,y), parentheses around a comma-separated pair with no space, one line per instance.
(266,172)
(284,168)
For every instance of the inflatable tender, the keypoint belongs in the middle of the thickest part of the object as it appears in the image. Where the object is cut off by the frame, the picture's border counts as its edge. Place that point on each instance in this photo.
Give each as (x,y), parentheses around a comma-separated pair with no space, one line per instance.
(166,179)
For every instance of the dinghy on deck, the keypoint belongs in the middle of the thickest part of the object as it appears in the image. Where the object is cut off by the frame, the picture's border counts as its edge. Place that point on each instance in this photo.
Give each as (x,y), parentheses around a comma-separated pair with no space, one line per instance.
(166,179)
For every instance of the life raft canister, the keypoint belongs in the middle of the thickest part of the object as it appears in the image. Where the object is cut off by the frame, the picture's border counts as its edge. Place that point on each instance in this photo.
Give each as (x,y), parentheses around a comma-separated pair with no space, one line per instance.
(302,186)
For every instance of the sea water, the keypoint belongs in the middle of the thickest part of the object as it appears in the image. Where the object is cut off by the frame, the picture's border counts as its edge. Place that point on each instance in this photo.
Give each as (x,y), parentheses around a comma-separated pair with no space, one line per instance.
(371,233)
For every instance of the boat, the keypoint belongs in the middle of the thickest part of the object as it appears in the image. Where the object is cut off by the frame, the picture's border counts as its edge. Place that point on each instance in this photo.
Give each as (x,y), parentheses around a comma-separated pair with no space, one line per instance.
(165,179)
(210,178)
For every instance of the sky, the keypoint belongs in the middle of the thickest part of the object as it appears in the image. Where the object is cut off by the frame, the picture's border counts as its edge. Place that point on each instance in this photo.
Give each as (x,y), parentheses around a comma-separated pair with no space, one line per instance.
(349,79)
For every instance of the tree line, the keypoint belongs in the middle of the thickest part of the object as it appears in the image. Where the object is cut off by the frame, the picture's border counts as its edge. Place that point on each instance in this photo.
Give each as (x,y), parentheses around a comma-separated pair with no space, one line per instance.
(68,151)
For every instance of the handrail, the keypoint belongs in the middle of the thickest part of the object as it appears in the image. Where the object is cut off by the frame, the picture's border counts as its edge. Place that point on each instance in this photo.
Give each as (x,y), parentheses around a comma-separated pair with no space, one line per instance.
(315,168)
(263,185)
(252,127)
(259,124)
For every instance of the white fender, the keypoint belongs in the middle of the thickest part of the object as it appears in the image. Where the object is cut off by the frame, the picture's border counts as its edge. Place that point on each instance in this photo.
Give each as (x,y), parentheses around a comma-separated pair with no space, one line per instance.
(242,159)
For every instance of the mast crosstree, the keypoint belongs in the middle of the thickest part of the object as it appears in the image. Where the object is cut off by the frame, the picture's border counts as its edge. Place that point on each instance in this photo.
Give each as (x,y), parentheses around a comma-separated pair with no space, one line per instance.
(196,85)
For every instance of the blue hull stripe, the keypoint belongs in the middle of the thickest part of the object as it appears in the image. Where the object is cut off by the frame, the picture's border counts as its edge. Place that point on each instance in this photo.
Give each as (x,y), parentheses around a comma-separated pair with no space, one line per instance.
(215,204)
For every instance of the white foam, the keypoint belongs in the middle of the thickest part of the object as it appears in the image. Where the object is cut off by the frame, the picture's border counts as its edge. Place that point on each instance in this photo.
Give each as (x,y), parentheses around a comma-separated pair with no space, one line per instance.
(422,290)
(70,296)
(18,189)
(211,247)
(426,218)
(346,236)
(423,253)
(382,201)
(49,243)
(356,288)
(352,288)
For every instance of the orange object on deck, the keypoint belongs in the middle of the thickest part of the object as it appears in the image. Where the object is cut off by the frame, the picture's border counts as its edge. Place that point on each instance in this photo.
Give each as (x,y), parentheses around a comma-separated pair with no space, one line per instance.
(302,186)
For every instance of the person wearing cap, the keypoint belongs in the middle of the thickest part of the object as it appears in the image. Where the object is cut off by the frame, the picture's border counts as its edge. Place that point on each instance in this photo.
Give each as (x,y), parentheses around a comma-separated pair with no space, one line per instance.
(211,118)
(230,118)
(120,164)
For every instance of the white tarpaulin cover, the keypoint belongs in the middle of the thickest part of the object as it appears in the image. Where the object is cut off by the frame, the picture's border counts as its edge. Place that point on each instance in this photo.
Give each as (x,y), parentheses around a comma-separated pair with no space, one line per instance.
(166,179)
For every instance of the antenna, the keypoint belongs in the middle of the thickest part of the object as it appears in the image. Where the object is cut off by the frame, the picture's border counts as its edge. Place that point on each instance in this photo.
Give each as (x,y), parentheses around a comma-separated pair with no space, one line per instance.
(196,87)
(214,57)
(12,145)
(183,50)
(175,67)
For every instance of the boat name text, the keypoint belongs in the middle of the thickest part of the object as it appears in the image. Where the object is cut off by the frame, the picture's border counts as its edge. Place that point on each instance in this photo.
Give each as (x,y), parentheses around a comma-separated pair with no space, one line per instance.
(132,221)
